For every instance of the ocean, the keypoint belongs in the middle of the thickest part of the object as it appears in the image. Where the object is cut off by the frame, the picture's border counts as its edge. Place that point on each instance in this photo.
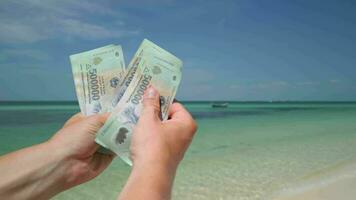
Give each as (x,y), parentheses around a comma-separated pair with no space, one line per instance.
(249,150)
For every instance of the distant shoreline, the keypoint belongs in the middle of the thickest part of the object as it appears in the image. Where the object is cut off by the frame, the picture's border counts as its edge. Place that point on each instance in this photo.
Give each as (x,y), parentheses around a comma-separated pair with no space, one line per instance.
(184,102)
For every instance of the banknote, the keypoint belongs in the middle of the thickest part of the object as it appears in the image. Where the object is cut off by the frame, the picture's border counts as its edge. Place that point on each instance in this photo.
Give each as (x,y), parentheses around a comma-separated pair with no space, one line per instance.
(97,74)
(160,69)
(145,47)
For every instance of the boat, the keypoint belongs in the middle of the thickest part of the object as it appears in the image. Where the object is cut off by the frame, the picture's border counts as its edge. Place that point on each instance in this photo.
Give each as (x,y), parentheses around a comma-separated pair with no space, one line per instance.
(220,105)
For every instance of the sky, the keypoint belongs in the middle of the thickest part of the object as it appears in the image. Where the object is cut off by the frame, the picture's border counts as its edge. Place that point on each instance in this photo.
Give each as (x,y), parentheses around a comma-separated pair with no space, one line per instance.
(232,49)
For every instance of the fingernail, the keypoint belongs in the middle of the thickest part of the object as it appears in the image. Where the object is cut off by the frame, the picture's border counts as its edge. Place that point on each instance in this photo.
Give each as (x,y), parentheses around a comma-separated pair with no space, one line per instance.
(151,93)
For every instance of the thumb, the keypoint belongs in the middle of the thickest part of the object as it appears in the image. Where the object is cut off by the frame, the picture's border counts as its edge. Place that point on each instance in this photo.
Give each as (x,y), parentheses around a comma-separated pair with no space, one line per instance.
(151,108)
(98,120)
(103,117)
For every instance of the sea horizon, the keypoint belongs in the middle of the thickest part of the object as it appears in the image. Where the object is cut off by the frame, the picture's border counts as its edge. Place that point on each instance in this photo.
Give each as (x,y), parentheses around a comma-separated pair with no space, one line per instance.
(74,102)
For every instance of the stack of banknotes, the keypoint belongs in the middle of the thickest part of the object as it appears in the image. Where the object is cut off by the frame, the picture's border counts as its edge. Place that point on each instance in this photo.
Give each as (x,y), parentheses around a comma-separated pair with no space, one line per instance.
(103,84)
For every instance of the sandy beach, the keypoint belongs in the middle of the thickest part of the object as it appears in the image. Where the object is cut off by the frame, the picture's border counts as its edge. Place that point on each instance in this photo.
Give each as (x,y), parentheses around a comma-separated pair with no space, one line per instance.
(342,186)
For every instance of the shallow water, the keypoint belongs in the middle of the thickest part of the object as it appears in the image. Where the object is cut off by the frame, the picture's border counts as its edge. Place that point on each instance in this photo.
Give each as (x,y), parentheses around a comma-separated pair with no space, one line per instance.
(245,151)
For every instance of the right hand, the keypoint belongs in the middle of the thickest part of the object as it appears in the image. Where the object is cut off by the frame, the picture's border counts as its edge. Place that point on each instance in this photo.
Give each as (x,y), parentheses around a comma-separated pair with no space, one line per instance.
(157,142)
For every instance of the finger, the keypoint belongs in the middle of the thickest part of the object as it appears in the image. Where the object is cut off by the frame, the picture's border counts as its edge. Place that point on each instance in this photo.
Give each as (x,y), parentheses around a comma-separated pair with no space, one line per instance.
(151,107)
(99,119)
(177,111)
(75,118)
(180,114)
(172,109)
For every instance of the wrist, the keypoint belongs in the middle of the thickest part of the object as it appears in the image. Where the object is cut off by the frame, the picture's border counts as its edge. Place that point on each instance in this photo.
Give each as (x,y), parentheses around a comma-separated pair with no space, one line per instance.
(165,165)
(155,169)
(58,164)
(156,176)
(148,166)
(62,163)
(34,172)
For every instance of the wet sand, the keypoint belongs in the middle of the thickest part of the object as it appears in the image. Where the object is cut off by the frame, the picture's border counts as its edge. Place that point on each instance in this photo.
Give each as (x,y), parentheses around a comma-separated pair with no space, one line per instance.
(341,187)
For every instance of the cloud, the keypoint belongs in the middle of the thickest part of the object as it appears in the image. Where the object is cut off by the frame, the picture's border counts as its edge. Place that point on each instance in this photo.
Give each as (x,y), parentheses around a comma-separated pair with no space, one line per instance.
(198,76)
(36,20)
(334,81)
(78,28)
(234,86)
(12,31)
(307,83)
(272,85)
(19,54)
(149,2)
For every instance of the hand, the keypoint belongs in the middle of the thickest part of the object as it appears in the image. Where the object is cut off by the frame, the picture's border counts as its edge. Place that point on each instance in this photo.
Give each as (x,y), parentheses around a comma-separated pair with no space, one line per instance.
(157,148)
(75,144)
(164,142)
(67,159)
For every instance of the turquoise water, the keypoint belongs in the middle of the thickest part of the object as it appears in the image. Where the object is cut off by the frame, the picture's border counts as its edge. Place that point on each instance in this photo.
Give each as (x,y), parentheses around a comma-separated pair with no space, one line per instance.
(245,151)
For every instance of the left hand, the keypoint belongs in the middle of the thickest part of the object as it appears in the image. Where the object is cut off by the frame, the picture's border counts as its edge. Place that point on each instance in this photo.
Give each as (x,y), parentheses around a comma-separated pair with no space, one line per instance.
(69,158)
(75,144)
